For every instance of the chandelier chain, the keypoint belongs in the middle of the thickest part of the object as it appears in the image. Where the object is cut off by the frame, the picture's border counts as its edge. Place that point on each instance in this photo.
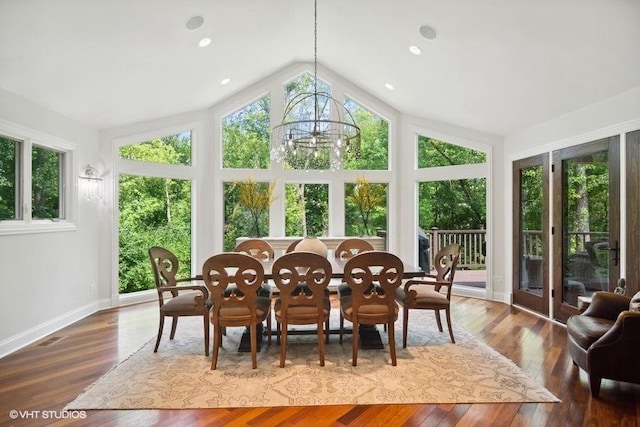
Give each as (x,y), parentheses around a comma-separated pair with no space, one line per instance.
(315,141)
(315,56)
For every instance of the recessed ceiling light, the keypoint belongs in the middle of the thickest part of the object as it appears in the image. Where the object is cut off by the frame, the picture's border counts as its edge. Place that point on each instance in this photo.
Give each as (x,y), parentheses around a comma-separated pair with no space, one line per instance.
(415,50)
(194,22)
(388,86)
(225,81)
(204,42)
(428,32)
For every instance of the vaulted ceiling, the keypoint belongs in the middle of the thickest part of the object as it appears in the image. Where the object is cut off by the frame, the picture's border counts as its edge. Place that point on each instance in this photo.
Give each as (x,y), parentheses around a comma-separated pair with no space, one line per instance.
(496,66)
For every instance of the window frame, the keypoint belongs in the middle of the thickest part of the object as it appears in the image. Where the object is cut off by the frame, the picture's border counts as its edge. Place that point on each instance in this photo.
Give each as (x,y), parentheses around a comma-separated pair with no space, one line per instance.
(340,89)
(148,169)
(26,224)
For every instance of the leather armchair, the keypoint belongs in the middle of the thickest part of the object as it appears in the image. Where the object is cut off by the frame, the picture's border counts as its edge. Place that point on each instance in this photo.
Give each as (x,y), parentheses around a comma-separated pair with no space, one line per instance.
(605,340)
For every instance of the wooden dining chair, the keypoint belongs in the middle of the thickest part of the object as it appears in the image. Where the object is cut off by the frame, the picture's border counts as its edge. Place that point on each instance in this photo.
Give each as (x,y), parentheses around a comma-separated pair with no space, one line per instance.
(366,274)
(311,273)
(292,246)
(260,250)
(257,248)
(426,293)
(184,300)
(233,280)
(348,249)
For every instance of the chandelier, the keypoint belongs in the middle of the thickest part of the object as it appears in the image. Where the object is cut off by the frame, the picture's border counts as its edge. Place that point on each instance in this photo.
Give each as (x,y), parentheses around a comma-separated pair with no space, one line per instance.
(303,137)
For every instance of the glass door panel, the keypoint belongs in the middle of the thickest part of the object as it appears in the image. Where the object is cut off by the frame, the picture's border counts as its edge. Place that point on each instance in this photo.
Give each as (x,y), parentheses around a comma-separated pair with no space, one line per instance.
(587,242)
(585,233)
(632,271)
(531,212)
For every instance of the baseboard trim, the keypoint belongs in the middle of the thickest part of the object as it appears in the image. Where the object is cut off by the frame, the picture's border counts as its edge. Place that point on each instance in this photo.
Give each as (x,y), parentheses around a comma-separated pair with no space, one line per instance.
(40,331)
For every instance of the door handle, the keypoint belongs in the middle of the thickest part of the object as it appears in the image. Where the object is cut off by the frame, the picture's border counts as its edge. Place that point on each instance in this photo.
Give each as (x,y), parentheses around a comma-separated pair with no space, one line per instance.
(615,257)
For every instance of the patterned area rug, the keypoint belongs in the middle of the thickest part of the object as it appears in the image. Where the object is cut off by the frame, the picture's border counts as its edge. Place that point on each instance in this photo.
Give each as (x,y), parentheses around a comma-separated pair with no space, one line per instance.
(430,370)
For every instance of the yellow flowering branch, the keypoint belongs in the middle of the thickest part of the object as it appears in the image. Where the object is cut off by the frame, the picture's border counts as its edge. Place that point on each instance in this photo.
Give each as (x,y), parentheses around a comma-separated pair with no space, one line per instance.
(256,198)
(366,198)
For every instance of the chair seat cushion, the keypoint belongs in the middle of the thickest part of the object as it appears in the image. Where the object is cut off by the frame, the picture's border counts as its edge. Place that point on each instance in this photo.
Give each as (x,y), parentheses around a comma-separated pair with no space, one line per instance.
(326,302)
(303,312)
(426,297)
(181,304)
(367,311)
(585,330)
(240,312)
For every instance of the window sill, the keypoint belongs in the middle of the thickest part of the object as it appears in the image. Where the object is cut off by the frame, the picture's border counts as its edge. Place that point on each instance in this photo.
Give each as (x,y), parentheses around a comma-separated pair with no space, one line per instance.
(20,227)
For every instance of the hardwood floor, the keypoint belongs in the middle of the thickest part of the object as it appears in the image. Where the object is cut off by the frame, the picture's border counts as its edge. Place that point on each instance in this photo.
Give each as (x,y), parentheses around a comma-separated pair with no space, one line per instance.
(46,375)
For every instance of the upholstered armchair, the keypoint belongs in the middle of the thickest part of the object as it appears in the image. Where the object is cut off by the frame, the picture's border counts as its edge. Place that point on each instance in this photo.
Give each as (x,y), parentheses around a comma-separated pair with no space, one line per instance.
(605,340)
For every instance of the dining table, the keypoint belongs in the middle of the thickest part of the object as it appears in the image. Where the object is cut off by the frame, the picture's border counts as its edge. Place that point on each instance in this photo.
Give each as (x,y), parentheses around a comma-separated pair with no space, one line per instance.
(337,268)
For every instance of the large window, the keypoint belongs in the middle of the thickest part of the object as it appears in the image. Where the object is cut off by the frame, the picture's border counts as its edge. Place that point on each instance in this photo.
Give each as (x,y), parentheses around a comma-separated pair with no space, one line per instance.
(157,173)
(434,153)
(313,200)
(452,205)
(154,207)
(374,135)
(172,149)
(245,136)
(153,212)
(36,182)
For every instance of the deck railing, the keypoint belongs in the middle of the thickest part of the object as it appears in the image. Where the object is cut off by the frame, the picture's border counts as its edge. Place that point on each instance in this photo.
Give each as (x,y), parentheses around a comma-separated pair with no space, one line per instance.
(473,248)
(472,243)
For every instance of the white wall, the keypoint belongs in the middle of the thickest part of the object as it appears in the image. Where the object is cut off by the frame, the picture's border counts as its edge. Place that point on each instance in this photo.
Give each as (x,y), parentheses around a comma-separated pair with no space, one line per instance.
(48,279)
(574,126)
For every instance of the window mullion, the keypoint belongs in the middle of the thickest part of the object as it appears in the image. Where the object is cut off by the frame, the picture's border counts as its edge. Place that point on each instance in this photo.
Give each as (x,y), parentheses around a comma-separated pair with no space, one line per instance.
(17,200)
(26,180)
(62,185)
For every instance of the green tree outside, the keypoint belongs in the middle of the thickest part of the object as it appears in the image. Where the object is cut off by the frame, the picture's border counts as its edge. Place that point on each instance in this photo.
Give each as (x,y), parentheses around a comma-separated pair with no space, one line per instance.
(245,136)
(153,212)
(374,135)
(45,183)
(9,156)
(450,204)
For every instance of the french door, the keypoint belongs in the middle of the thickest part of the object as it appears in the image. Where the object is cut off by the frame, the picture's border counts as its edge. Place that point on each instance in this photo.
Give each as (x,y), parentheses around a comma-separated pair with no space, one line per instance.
(586,222)
(632,272)
(531,224)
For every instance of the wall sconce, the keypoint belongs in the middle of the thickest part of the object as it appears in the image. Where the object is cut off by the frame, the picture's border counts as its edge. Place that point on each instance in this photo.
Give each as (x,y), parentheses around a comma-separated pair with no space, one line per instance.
(90,183)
